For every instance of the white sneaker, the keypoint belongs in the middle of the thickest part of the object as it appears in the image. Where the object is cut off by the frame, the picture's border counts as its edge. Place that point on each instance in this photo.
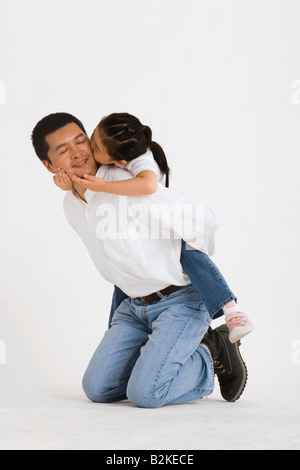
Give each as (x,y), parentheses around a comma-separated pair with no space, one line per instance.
(239,326)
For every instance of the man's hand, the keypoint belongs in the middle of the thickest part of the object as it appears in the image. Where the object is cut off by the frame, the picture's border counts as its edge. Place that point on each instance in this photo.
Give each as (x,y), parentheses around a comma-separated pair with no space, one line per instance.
(63,180)
(90,182)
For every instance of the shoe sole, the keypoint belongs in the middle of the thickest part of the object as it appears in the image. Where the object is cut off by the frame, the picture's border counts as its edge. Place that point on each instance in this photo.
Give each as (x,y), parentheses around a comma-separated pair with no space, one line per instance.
(240,332)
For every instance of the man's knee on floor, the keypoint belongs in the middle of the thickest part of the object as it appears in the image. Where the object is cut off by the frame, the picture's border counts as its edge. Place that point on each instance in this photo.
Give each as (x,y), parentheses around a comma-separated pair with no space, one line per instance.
(92,390)
(140,396)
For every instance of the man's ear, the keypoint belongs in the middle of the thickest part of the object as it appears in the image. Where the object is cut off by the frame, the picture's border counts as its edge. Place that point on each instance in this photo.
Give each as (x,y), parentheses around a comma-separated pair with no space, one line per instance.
(49,166)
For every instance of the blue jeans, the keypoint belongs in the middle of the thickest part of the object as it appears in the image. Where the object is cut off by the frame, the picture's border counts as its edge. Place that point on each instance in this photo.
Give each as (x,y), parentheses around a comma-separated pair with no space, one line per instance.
(152,354)
(206,278)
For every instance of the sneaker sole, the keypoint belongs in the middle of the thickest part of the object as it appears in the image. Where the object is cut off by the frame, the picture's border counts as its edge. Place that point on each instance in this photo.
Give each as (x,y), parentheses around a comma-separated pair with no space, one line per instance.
(240,332)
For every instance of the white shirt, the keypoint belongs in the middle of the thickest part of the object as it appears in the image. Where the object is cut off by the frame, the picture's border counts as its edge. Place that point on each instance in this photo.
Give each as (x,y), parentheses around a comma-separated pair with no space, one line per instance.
(147,162)
(115,230)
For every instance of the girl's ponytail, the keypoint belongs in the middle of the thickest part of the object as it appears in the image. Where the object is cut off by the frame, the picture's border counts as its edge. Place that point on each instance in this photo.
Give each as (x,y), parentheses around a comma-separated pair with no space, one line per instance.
(161,159)
(158,154)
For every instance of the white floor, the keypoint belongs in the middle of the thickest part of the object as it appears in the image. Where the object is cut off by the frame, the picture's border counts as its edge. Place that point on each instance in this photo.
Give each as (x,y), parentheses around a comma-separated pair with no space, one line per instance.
(66,420)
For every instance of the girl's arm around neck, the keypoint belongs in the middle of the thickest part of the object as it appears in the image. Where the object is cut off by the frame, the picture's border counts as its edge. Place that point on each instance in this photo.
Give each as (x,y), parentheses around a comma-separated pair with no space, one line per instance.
(144,183)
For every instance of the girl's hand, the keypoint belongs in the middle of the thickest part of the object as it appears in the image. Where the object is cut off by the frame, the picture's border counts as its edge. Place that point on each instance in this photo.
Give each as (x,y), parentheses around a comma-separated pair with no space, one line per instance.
(90,182)
(63,180)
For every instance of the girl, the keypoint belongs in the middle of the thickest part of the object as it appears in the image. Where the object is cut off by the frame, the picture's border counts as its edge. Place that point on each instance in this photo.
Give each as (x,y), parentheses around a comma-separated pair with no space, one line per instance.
(121,139)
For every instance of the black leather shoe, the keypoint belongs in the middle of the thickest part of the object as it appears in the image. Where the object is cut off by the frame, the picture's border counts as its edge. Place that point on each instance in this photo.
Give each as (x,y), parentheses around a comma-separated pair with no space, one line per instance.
(228,363)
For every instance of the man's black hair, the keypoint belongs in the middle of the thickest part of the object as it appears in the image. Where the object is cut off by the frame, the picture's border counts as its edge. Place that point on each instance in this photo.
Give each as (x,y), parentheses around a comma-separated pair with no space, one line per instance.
(46,126)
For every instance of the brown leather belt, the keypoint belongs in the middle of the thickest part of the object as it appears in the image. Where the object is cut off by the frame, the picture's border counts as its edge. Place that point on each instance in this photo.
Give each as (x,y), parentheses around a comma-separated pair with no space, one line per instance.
(154,297)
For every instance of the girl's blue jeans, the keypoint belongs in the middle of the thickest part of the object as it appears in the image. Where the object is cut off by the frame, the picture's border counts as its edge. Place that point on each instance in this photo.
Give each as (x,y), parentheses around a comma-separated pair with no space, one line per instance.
(152,354)
(205,277)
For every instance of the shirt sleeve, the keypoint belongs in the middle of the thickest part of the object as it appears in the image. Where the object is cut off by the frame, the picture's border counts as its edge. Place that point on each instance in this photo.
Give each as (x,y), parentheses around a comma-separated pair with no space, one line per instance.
(142,163)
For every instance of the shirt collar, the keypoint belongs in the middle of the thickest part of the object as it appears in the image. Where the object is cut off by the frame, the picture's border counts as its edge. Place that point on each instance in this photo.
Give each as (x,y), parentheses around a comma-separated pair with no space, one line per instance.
(89,194)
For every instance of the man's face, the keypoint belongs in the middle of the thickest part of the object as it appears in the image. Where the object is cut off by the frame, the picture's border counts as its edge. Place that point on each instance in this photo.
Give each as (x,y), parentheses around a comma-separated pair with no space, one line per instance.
(70,149)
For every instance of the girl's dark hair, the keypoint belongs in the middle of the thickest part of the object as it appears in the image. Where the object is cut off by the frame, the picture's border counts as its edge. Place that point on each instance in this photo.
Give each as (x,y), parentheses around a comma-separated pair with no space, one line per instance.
(126,138)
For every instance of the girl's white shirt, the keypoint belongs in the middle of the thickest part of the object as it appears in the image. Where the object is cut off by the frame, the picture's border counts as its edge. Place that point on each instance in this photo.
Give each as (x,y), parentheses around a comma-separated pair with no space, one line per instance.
(146,162)
(135,242)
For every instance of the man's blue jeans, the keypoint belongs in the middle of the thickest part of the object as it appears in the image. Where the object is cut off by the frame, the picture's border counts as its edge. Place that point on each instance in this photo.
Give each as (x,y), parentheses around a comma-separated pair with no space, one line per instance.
(152,354)
(205,277)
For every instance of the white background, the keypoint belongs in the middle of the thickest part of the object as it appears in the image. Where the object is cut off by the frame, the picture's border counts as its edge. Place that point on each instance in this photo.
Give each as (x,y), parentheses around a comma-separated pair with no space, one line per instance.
(214,80)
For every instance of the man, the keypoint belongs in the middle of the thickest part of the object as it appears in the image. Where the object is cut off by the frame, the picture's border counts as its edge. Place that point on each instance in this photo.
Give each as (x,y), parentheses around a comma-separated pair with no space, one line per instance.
(159,349)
